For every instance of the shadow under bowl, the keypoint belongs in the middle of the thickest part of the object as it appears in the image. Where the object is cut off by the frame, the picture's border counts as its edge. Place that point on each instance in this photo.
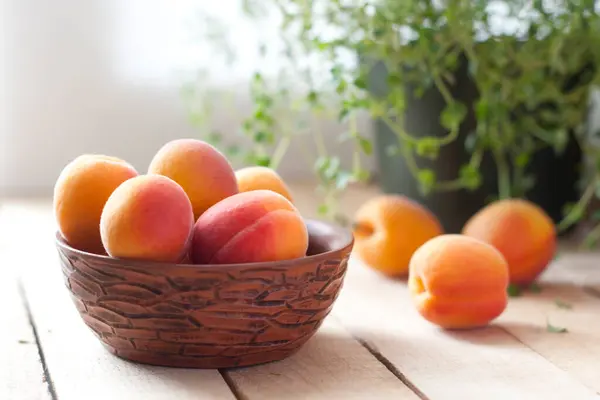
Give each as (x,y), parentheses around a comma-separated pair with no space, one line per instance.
(208,316)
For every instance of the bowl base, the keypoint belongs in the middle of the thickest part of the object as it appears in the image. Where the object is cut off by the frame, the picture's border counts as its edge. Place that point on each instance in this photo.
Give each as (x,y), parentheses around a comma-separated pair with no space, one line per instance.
(204,362)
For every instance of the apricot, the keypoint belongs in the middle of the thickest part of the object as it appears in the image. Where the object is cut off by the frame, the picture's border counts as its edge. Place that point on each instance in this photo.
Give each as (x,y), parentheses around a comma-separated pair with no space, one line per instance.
(148,217)
(199,168)
(255,226)
(387,231)
(521,231)
(258,177)
(458,282)
(80,192)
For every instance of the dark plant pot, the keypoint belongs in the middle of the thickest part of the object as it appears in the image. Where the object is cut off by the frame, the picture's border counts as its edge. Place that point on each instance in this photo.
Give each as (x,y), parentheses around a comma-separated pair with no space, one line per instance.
(556,175)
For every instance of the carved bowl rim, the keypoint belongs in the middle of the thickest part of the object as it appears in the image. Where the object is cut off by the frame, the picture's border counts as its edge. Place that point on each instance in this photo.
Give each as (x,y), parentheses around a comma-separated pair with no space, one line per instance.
(338,252)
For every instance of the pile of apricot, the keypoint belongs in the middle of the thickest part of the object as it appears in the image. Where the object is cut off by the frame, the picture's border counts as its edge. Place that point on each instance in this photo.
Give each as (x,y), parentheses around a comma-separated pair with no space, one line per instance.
(456,280)
(190,206)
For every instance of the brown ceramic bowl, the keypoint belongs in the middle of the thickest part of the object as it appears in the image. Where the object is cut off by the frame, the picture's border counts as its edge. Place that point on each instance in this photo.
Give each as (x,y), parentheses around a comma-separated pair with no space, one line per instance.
(208,316)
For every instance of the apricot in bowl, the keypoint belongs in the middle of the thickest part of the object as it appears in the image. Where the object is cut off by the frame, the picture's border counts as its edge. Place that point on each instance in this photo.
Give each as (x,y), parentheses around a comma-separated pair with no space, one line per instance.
(209,315)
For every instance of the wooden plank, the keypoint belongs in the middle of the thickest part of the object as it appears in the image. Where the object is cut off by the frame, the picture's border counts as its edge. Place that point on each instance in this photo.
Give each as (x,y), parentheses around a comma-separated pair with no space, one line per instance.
(564,303)
(78,366)
(21,371)
(485,363)
(330,365)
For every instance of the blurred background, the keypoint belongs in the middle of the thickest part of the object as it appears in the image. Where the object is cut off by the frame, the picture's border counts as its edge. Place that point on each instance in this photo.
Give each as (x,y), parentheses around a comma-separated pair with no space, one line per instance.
(125,77)
(106,76)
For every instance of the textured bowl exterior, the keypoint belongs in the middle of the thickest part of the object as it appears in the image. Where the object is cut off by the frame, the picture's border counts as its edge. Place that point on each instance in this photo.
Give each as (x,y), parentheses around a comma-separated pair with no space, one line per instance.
(204,316)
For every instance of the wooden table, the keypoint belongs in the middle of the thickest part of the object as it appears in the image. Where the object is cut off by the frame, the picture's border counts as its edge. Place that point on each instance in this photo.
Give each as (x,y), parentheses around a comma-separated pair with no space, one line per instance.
(372,346)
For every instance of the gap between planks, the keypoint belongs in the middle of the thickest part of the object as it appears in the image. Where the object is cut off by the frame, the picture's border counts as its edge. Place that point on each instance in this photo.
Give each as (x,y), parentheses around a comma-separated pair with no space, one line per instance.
(485,363)
(46,373)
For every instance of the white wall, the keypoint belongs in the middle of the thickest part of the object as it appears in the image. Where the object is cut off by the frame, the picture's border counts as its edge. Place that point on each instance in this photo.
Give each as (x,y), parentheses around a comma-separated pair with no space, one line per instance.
(104,76)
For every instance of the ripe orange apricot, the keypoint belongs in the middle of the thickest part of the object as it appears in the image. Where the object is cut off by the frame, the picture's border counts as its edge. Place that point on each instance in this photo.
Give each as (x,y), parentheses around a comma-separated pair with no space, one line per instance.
(148,217)
(458,282)
(258,177)
(80,192)
(199,168)
(388,229)
(255,226)
(521,231)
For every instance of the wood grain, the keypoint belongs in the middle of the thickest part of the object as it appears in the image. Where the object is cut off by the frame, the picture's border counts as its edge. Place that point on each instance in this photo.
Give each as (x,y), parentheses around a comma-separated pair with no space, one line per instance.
(486,363)
(79,366)
(331,365)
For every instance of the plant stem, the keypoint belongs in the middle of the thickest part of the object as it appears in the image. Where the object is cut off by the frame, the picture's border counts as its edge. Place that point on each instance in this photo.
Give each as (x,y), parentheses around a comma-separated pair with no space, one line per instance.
(280,151)
(449,185)
(441,86)
(575,213)
(592,237)
(356,154)
(503,175)
(398,130)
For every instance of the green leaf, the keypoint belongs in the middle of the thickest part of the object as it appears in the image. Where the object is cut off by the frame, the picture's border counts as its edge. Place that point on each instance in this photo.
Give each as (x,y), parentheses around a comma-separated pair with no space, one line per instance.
(361,175)
(365,145)
(341,86)
(470,176)
(332,168)
(561,138)
(343,114)
(323,209)
(247,126)
(453,115)
(361,82)
(563,304)
(312,97)
(482,109)
(262,137)
(343,179)
(394,79)
(522,160)
(427,180)
(232,150)
(214,137)
(428,147)
(262,160)
(554,329)
(514,290)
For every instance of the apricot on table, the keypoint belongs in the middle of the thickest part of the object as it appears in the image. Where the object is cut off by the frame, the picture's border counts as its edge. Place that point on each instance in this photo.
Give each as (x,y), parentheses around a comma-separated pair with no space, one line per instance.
(259,177)
(521,231)
(387,231)
(148,217)
(255,226)
(199,168)
(458,282)
(80,192)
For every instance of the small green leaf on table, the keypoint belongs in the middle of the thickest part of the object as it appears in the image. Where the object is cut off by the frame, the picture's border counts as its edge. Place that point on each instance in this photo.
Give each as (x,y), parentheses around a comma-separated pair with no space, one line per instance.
(555,329)
(514,290)
(563,304)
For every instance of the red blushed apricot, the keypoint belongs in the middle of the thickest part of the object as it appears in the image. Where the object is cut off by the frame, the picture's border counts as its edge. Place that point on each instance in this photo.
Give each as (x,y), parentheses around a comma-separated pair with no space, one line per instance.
(521,231)
(458,282)
(255,226)
(148,218)
(199,168)
(80,193)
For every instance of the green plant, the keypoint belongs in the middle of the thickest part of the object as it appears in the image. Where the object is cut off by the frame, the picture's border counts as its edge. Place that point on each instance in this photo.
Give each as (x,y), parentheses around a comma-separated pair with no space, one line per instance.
(533,82)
